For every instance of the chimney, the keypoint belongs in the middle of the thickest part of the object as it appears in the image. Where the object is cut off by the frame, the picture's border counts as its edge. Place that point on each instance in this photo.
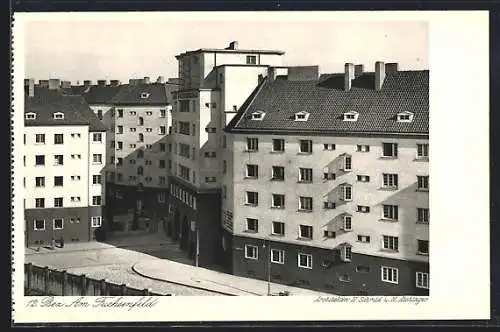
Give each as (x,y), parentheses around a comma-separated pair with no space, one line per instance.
(348,76)
(379,75)
(358,70)
(87,83)
(233,45)
(160,79)
(114,82)
(66,84)
(31,86)
(101,82)
(391,67)
(146,80)
(271,74)
(54,83)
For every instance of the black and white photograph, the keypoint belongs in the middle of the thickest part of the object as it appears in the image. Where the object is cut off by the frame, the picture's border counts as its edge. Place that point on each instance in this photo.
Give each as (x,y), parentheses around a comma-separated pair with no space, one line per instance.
(267,155)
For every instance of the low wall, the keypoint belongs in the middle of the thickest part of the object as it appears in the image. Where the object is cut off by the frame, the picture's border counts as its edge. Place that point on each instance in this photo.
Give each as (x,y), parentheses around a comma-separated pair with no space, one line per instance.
(47,281)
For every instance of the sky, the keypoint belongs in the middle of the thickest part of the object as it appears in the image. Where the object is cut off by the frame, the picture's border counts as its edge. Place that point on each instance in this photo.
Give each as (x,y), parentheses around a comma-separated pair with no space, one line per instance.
(100,48)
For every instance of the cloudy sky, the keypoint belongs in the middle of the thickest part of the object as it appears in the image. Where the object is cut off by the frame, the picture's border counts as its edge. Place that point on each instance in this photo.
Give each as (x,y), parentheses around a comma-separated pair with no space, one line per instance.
(78,47)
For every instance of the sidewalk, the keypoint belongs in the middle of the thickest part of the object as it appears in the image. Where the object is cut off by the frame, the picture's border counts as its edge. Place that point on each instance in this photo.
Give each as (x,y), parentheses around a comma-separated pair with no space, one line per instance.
(202,278)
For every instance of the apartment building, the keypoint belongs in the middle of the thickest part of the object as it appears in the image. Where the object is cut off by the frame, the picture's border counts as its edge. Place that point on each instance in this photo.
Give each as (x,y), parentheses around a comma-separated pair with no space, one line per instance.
(326,182)
(137,116)
(64,156)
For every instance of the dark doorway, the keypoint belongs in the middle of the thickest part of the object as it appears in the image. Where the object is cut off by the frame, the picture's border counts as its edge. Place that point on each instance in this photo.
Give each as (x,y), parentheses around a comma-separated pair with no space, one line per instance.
(185,233)
(176,226)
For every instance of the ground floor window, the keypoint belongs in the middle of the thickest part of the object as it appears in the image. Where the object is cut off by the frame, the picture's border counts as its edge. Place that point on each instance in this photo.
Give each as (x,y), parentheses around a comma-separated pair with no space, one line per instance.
(96,221)
(305,261)
(251,252)
(278,256)
(58,223)
(422,280)
(39,225)
(390,274)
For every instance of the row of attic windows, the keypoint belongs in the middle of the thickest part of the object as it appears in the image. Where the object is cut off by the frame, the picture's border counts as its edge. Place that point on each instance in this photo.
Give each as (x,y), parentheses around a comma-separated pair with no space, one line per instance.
(348,116)
(32,116)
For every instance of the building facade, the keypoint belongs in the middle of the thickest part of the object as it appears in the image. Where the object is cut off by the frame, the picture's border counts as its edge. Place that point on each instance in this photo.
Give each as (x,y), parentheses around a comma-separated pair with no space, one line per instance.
(64,157)
(213,84)
(137,116)
(326,180)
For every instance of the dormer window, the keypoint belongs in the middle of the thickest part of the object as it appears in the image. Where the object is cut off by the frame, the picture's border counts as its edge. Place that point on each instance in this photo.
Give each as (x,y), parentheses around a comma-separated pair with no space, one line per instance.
(346,192)
(351,116)
(145,95)
(347,222)
(346,252)
(405,117)
(58,115)
(346,162)
(301,116)
(30,116)
(259,115)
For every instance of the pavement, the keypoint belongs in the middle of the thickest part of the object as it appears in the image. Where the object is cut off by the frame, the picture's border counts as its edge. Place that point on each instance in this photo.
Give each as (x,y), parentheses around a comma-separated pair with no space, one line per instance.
(151,261)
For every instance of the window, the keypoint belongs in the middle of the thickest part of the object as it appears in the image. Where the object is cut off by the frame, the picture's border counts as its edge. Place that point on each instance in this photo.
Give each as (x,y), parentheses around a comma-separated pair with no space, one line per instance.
(132,178)
(132,113)
(390,242)
(423,215)
(58,160)
(252,171)
(389,150)
(251,252)
(390,212)
(184,172)
(96,179)
(210,179)
(40,202)
(183,105)
(305,175)
(363,208)
(40,160)
(278,228)
(141,137)
(58,202)
(97,137)
(423,247)
(423,183)
(422,280)
(346,253)
(119,129)
(330,147)
(224,167)
(301,116)
(252,198)
(278,201)
(405,117)
(120,113)
(363,269)
(58,139)
(346,192)
(259,115)
(278,173)
(144,95)
(99,114)
(133,130)
(163,113)
(97,158)
(347,163)
(363,178)
(96,200)
(184,128)
(252,225)
(58,181)
(40,138)
(96,221)
(210,154)
(389,274)
(76,199)
(278,145)
(140,170)
(305,232)
(75,177)
(162,147)
(347,223)
(251,59)
(58,116)
(305,203)
(422,151)
(119,145)
(329,176)
(329,234)
(390,181)
(161,163)
(76,156)
(210,130)
(305,146)
(119,161)
(351,116)
(363,148)
(277,256)
(39,181)
(39,225)
(304,261)
(140,154)
(162,130)
(364,238)
(252,144)
(30,116)
(58,223)
(194,129)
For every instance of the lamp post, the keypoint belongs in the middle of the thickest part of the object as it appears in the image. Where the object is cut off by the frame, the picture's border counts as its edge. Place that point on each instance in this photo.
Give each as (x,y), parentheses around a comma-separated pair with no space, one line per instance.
(268,265)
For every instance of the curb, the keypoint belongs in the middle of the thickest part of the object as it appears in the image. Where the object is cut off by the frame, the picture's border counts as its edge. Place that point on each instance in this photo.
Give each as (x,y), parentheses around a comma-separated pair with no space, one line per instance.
(178,283)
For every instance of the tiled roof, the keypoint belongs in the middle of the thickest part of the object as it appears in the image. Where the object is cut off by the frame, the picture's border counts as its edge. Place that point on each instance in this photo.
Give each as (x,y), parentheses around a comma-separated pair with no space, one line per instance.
(326,101)
(97,94)
(159,94)
(75,90)
(46,102)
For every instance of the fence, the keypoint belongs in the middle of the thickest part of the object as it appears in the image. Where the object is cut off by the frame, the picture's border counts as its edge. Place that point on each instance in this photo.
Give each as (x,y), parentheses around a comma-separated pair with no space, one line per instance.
(47,281)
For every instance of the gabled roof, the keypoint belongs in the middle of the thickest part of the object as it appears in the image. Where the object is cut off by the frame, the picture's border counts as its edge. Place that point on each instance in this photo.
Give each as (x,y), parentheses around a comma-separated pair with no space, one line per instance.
(159,94)
(46,102)
(327,101)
